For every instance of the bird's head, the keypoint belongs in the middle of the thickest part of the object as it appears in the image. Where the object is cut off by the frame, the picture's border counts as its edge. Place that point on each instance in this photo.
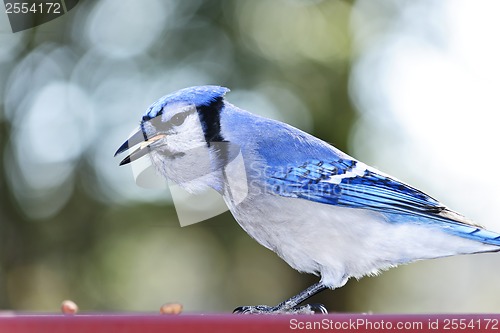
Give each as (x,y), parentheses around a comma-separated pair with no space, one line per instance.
(177,132)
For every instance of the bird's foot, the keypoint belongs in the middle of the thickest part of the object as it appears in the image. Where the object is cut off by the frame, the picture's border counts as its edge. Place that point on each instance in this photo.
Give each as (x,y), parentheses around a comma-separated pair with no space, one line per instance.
(264,309)
(257,309)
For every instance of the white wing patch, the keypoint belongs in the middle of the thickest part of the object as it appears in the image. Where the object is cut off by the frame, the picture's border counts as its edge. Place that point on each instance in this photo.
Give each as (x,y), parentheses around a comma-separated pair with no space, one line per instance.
(357,171)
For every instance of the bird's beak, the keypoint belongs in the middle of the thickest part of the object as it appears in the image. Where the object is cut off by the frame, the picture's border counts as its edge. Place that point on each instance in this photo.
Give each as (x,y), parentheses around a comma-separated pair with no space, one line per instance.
(138,138)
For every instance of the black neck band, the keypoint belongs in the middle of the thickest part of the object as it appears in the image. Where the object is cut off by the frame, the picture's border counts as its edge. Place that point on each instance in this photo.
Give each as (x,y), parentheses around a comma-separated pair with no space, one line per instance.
(210,120)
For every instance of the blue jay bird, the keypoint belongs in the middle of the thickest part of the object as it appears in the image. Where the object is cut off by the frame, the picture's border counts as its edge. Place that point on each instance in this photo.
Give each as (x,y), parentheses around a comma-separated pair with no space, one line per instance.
(319,209)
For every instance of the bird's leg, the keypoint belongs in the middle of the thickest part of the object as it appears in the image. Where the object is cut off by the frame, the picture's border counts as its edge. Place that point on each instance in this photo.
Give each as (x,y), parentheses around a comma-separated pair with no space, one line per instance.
(291,305)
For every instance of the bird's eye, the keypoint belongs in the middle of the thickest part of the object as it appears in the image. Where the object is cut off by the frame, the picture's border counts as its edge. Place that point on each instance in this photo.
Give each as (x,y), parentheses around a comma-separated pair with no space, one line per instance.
(176,120)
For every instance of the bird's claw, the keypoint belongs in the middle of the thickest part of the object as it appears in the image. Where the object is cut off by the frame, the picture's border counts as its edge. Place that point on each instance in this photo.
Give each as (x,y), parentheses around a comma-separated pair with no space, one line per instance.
(257,309)
(264,309)
(318,308)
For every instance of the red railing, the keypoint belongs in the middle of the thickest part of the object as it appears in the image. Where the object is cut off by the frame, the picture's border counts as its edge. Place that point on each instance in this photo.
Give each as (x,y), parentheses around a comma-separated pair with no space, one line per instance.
(137,323)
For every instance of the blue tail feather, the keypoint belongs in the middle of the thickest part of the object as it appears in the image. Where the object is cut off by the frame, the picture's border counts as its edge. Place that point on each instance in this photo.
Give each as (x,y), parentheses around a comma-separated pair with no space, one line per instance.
(477,234)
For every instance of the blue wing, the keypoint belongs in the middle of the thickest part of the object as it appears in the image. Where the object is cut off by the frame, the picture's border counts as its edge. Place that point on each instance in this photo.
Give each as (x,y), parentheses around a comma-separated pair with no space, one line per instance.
(349,183)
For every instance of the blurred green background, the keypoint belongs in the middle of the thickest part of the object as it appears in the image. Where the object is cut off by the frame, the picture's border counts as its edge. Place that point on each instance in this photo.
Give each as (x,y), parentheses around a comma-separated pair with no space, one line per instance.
(410,87)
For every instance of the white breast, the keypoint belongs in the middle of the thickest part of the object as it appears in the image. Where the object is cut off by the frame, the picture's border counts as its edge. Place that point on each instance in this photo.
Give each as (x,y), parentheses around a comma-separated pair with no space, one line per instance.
(340,242)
